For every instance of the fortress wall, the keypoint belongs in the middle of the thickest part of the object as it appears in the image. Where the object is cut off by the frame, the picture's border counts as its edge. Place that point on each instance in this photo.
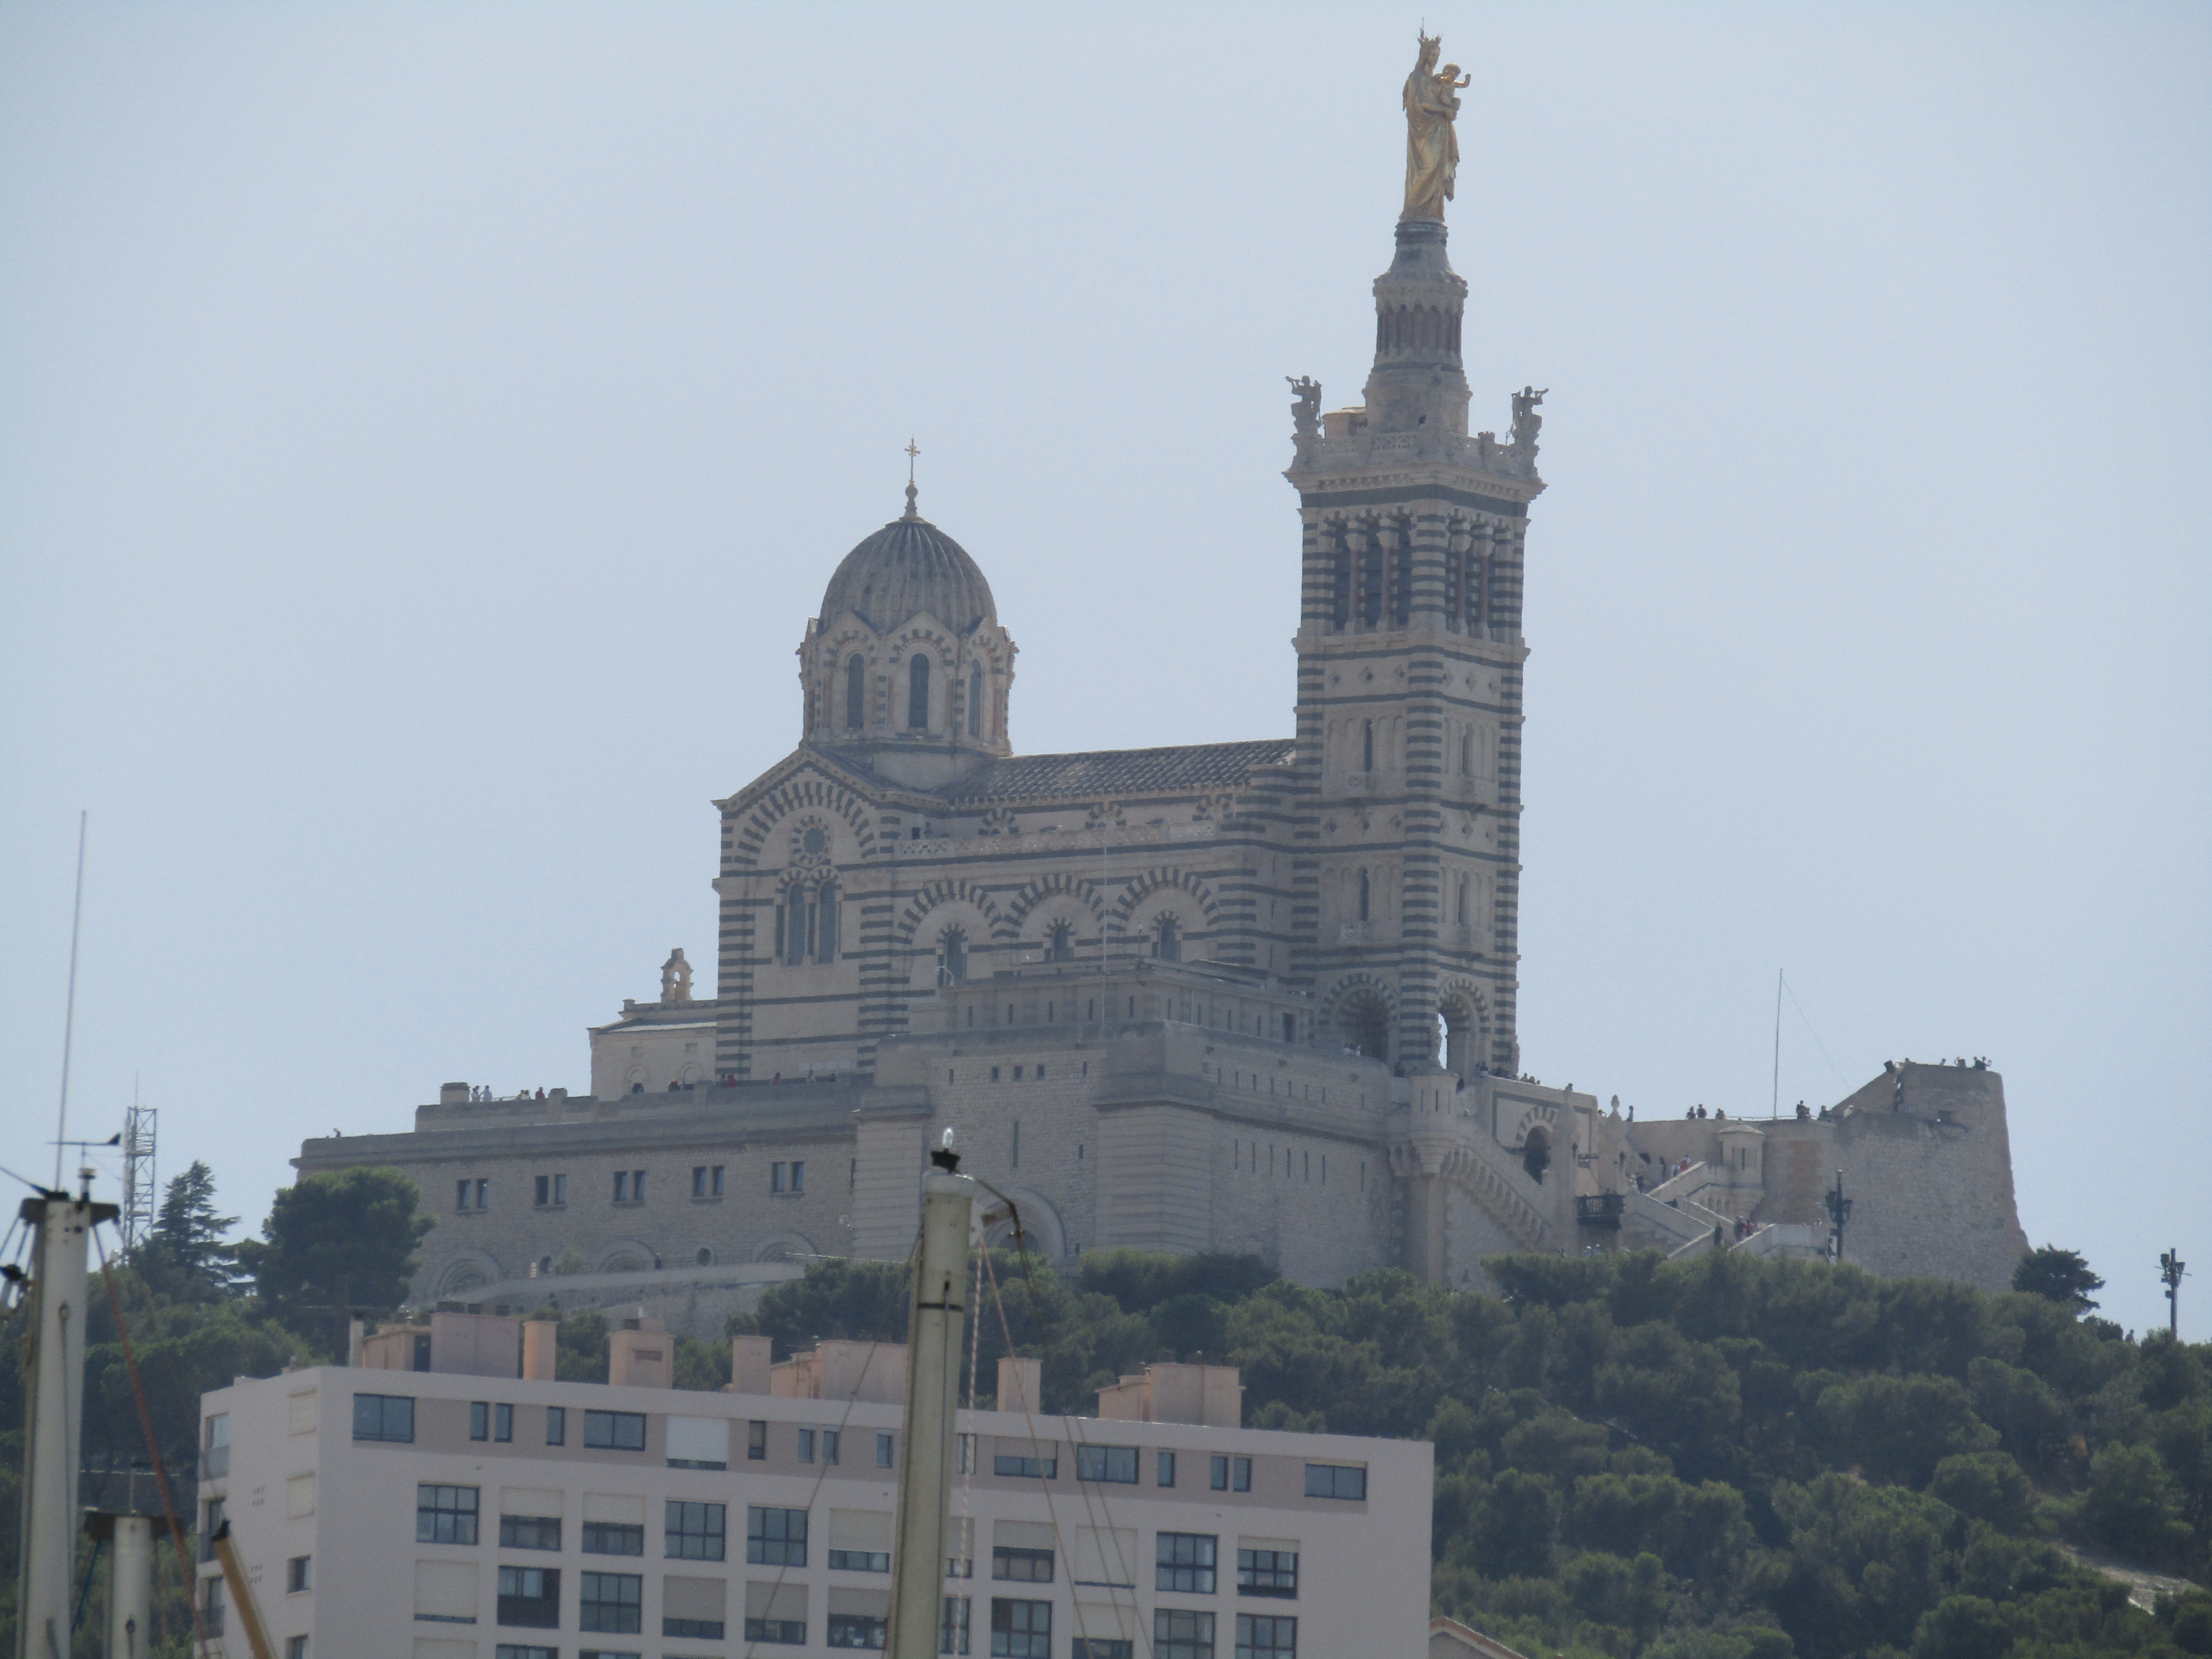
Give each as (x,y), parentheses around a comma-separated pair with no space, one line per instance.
(1471,1236)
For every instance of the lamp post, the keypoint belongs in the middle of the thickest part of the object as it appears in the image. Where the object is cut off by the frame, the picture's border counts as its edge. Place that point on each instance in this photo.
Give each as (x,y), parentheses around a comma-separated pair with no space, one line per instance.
(2171,1268)
(1839,1212)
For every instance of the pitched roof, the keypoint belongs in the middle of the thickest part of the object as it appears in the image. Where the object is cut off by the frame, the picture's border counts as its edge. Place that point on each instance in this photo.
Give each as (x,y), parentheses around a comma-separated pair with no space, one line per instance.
(1102,774)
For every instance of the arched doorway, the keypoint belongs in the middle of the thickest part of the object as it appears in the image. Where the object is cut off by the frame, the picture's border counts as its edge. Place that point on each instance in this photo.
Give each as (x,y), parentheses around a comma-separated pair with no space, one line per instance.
(1536,1152)
(1462,1041)
(1364,1022)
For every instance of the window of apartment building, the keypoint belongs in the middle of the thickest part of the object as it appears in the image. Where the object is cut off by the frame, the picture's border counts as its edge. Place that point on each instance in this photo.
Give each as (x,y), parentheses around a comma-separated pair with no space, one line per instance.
(1164,1469)
(952,1626)
(1232,1474)
(299,1574)
(530,1597)
(1177,1634)
(384,1417)
(487,1421)
(706,1630)
(1114,1463)
(1094,1648)
(780,1633)
(211,1604)
(828,1441)
(886,1449)
(788,1177)
(1266,1636)
(517,1650)
(612,1601)
(696,1532)
(1021,1630)
(757,1440)
(1026,1467)
(445,1514)
(1267,1573)
(552,1191)
(1021,1566)
(211,1517)
(857,1630)
(295,1647)
(584,1653)
(614,1538)
(1185,1562)
(1336,1480)
(617,1431)
(556,1425)
(530,1532)
(775,1537)
(707,1181)
(214,1447)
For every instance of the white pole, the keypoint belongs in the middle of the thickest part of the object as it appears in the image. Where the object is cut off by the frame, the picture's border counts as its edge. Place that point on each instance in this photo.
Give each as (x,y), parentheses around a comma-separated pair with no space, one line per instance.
(131,1589)
(932,1398)
(52,1415)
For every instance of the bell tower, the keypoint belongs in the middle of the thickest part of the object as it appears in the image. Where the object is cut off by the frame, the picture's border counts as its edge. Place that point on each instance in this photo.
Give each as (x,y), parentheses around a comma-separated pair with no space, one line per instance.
(1410,655)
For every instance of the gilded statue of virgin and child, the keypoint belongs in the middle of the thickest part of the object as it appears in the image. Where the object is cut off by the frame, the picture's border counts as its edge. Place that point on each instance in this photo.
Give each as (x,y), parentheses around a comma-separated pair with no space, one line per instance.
(1432,140)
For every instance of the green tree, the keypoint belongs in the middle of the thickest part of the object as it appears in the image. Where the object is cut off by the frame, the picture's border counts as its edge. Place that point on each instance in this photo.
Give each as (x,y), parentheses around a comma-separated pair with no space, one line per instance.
(1987,1486)
(187,1250)
(2133,1504)
(2057,1275)
(346,1238)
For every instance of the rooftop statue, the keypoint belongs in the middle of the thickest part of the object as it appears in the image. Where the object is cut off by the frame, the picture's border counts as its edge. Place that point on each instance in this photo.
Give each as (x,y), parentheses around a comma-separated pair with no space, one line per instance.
(1432,140)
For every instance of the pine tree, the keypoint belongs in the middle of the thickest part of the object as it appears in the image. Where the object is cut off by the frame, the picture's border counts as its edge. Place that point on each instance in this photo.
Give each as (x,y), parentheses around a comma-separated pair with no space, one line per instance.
(189,1233)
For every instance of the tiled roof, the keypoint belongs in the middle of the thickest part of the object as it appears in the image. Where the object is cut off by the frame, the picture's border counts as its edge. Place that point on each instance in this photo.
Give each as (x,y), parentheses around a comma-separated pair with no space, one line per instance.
(1103,774)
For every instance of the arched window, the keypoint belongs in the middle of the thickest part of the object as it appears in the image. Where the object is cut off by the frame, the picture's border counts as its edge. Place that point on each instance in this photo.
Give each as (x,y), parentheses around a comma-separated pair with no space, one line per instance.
(1462,901)
(856,692)
(1365,894)
(825,923)
(917,692)
(956,956)
(1367,746)
(1059,942)
(1168,947)
(1466,755)
(974,702)
(1339,581)
(798,918)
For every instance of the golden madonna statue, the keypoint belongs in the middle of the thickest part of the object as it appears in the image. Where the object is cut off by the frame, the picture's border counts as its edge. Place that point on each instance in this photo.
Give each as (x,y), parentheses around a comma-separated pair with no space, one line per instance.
(1432,140)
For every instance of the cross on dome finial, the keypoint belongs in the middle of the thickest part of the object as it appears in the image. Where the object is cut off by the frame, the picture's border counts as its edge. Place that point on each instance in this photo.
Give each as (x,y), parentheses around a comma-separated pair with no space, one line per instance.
(912,450)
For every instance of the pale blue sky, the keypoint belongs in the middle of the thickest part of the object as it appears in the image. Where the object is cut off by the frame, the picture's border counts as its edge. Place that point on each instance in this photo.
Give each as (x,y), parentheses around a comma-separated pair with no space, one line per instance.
(425,430)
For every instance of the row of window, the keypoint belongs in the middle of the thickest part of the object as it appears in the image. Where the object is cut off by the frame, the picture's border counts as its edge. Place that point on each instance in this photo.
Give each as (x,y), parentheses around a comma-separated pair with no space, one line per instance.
(1119,1465)
(391,1417)
(551,1191)
(1183,1561)
(1023,1630)
(1019,1629)
(917,694)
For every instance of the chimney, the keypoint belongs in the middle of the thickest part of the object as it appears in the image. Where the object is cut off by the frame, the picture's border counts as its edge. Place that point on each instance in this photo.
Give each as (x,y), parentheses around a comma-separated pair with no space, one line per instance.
(1209,1395)
(748,1364)
(641,1355)
(541,1342)
(1021,1385)
(452,1094)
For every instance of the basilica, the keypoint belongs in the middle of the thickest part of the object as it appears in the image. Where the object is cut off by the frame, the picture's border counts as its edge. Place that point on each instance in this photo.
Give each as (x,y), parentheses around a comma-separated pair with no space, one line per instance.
(1257,996)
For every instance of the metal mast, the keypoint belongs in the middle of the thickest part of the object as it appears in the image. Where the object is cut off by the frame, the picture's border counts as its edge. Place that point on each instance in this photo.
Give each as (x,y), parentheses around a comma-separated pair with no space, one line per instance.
(141,1194)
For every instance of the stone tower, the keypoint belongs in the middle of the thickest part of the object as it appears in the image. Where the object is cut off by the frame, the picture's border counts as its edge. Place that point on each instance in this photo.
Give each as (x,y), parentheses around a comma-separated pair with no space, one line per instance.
(1409,653)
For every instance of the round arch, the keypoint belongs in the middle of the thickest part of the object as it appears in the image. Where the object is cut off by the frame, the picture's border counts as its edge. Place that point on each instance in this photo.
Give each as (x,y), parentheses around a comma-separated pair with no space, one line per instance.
(461,1271)
(1048,1235)
(624,1256)
(784,1247)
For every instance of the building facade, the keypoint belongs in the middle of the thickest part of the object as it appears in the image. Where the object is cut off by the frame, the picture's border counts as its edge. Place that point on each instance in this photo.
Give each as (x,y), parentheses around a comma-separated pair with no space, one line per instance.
(491,1517)
(1257,996)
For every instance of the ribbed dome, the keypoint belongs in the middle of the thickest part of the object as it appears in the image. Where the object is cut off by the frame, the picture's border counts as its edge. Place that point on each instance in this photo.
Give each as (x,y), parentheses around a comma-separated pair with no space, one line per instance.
(909,567)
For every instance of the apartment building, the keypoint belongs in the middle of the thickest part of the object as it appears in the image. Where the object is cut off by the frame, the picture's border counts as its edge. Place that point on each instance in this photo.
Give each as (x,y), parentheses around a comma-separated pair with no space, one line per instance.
(450,1516)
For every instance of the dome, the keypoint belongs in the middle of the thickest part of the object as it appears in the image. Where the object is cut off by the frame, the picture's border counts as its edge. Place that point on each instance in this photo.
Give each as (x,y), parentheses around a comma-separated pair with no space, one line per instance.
(909,567)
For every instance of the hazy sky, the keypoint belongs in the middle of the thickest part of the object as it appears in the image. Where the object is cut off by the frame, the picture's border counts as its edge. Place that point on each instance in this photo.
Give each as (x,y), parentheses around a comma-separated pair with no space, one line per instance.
(426,429)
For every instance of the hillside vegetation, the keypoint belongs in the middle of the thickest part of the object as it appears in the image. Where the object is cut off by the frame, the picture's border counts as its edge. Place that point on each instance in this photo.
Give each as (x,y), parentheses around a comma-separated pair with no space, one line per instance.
(1726,1459)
